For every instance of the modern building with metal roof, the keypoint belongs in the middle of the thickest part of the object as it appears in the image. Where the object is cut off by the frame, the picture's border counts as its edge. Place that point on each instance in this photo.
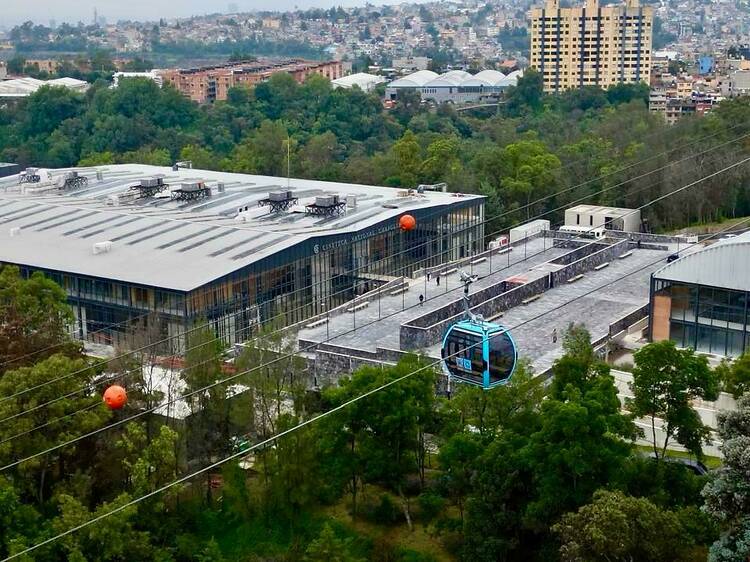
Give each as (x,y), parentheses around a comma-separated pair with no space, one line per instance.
(701,300)
(125,240)
(455,86)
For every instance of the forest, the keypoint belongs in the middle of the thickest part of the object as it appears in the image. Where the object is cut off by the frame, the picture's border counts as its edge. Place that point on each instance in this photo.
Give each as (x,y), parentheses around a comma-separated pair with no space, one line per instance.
(526,471)
(585,145)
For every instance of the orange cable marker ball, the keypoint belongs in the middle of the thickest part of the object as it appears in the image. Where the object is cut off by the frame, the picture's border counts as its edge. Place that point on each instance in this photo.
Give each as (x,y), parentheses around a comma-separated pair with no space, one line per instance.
(407,222)
(115,397)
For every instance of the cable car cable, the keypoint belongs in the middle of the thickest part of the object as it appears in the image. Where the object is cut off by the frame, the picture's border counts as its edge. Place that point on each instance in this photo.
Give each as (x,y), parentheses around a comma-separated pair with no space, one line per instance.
(287,356)
(120,376)
(487,219)
(301,425)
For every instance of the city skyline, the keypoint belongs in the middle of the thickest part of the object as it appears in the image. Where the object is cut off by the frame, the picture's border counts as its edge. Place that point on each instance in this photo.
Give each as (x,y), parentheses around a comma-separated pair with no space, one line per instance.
(42,11)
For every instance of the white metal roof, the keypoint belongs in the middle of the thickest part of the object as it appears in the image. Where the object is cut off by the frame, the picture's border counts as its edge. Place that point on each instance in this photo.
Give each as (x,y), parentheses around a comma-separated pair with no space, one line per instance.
(21,87)
(456,78)
(361,79)
(484,78)
(414,80)
(598,209)
(176,244)
(725,264)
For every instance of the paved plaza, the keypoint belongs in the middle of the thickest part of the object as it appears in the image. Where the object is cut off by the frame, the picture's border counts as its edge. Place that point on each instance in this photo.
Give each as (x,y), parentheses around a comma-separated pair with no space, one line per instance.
(596,300)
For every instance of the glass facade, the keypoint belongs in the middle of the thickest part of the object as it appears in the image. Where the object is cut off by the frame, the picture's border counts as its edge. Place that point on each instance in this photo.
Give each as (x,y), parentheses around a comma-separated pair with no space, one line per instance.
(707,319)
(289,286)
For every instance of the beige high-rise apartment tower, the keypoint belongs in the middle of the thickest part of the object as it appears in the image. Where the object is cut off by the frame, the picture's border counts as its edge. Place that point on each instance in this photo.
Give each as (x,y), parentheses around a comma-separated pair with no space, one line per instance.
(591,45)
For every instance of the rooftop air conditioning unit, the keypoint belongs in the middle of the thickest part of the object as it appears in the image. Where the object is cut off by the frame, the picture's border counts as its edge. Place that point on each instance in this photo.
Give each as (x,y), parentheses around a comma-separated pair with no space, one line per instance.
(192,186)
(281,195)
(102,247)
(403,193)
(351,201)
(326,200)
(151,182)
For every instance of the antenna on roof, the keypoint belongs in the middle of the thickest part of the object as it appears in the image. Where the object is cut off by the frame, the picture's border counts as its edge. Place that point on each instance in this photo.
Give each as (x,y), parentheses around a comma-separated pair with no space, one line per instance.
(288,160)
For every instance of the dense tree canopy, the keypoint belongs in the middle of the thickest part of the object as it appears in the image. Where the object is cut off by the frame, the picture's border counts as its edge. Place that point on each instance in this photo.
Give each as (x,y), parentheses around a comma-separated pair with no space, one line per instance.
(535,147)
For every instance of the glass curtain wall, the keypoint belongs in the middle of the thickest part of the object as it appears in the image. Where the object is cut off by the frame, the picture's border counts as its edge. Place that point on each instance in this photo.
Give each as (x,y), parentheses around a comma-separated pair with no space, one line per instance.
(708,319)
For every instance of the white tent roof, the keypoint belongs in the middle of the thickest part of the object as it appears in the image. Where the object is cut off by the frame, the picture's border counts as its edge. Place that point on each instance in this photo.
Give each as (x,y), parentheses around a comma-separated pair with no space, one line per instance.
(361,79)
(415,79)
(484,78)
(20,87)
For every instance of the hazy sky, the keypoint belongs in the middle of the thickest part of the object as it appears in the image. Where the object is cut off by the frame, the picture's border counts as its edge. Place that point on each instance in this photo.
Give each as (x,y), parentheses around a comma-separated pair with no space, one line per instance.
(13,12)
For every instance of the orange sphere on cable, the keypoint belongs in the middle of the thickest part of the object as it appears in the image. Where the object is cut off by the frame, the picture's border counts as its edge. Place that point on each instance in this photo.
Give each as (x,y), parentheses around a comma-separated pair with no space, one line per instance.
(115,397)
(407,222)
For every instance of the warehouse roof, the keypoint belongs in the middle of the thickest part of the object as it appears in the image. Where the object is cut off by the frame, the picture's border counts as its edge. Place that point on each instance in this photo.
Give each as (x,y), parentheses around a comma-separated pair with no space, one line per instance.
(724,264)
(22,87)
(174,244)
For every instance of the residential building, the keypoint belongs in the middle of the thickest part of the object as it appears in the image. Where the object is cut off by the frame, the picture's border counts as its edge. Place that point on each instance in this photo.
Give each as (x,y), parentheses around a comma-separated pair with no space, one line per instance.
(411,63)
(234,249)
(591,45)
(50,66)
(212,83)
(701,300)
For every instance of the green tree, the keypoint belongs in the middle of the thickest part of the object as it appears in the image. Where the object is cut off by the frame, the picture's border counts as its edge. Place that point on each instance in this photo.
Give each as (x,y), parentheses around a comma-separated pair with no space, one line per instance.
(458,458)
(727,495)
(72,414)
(16,65)
(202,158)
(208,434)
(615,527)
(329,548)
(528,171)
(530,475)
(35,319)
(735,376)
(408,156)
(527,94)
(48,107)
(18,521)
(576,341)
(442,160)
(665,381)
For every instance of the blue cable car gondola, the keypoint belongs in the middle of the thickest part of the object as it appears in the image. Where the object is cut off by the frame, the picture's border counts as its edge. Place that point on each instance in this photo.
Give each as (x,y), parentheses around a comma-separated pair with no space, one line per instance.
(478,352)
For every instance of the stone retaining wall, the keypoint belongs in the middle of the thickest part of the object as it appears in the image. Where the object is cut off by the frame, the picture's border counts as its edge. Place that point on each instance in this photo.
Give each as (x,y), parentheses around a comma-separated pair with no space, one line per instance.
(418,334)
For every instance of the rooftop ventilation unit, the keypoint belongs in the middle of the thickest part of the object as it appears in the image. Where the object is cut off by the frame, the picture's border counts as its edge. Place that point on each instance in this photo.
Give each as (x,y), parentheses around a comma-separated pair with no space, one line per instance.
(72,180)
(351,201)
(150,187)
(191,191)
(278,201)
(326,205)
(442,186)
(15,231)
(29,175)
(102,247)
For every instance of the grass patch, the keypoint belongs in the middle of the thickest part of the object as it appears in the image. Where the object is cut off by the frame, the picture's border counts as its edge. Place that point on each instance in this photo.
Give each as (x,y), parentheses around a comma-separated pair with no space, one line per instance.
(710,227)
(709,461)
